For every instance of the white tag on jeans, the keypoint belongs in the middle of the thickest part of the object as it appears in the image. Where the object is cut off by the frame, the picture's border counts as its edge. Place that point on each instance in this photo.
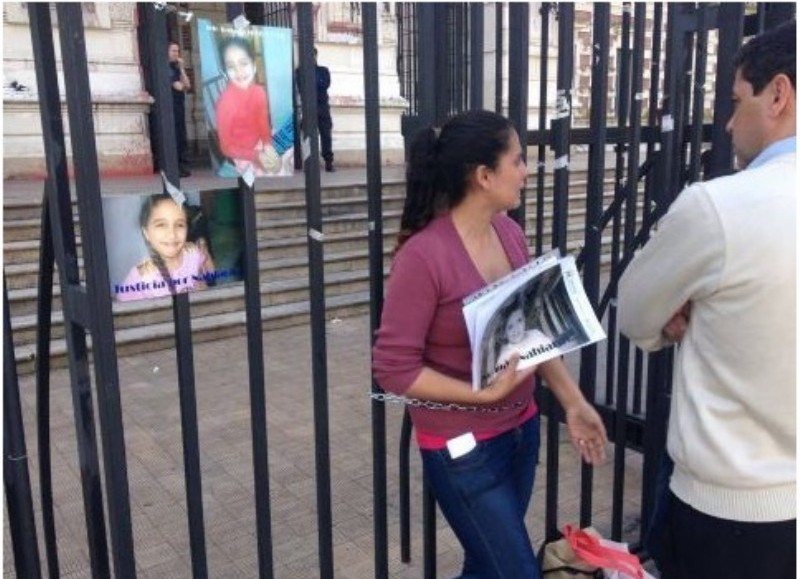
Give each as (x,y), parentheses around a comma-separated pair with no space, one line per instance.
(461,445)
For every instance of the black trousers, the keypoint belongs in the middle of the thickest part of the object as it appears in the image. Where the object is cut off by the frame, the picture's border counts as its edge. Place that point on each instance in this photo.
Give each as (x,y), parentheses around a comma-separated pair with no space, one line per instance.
(699,546)
(325,124)
(180,135)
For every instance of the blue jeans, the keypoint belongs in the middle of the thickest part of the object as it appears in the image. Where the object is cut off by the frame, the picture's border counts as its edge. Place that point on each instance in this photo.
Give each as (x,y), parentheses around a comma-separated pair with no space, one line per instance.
(654,536)
(484,496)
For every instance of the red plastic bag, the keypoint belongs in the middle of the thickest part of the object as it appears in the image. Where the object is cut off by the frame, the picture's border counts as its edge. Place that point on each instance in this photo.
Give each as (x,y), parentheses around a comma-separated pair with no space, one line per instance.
(591,549)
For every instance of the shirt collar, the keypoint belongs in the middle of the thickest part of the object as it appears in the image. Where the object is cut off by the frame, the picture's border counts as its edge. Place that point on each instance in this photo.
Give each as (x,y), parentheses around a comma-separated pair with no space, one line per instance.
(787,145)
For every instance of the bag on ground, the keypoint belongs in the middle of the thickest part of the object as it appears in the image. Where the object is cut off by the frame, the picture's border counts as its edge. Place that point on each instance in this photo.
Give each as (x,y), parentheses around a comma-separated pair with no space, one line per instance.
(584,553)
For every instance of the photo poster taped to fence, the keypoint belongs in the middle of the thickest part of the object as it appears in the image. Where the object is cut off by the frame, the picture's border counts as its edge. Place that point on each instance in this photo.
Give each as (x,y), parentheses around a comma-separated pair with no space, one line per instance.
(539,311)
(246,75)
(158,247)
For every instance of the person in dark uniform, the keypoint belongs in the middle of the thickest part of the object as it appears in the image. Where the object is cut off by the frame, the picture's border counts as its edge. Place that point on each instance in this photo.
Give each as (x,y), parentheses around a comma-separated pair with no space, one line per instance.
(324,121)
(180,85)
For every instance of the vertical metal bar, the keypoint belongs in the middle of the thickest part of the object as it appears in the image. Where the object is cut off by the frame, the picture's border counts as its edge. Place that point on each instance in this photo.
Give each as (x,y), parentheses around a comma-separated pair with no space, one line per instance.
(634,139)
(317,294)
(638,385)
(476,55)
(698,93)
(544,37)
(551,495)
(87,182)
(44,310)
(16,478)
(374,216)
(561,134)
(428,531)
(426,63)
(639,382)
(458,58)
(594,210)
(255,358)
(258,403)
(498,58)
(731,27)
(168,159)
(683,64)
(404,466)
(66,254)
(562,124)
(622,353)
(616,232)
(439,56)
(518,16)
(652,114)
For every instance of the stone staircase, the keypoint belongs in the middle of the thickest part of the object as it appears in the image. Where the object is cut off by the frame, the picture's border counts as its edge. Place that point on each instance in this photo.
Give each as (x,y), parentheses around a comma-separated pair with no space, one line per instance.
(282,241)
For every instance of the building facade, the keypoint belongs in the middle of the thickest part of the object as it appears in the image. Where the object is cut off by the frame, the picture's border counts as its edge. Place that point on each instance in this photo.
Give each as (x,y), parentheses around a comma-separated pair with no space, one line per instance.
(121,103)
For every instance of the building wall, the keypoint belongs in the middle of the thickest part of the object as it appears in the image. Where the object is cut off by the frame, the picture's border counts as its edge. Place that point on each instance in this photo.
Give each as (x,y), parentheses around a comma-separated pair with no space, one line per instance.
(119,102)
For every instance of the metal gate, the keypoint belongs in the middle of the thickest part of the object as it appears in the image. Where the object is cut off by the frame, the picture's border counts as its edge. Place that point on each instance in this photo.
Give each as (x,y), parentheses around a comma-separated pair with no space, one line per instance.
(647,144)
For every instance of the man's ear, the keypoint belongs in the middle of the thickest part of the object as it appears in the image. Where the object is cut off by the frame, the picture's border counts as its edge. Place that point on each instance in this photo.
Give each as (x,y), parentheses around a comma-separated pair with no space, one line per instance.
(783,93)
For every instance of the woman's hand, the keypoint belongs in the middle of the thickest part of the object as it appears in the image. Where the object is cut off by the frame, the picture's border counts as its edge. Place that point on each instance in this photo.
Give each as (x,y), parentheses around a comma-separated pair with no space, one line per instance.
(505,382)
(587,432)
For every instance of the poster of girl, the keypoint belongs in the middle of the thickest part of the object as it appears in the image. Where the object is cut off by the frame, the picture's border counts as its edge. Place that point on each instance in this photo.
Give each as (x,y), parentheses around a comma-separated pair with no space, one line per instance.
(158,247)
(247,96)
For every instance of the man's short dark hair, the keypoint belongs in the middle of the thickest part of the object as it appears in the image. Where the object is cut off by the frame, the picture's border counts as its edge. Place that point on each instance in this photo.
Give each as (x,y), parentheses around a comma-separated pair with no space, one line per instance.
(769,54)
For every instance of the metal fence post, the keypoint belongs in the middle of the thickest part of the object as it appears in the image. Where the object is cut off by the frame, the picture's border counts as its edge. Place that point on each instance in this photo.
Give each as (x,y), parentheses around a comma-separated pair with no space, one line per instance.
(92,303)
(317,285)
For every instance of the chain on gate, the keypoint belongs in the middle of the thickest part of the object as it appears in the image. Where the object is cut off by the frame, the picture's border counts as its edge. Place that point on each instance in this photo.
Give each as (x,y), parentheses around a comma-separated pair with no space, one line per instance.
(431,405)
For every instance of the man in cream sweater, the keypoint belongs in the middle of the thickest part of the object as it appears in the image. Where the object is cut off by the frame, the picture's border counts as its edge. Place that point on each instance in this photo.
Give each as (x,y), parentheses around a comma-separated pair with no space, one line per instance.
(718,278)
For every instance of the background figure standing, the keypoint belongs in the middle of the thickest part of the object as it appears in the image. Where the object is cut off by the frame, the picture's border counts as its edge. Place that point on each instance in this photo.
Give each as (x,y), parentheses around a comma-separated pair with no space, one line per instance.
(324,121)
(180,85)
(718,277)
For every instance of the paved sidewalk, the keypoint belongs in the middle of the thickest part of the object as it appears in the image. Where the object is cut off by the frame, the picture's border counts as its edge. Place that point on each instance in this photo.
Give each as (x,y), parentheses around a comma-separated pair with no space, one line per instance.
(155,465)
(155,461)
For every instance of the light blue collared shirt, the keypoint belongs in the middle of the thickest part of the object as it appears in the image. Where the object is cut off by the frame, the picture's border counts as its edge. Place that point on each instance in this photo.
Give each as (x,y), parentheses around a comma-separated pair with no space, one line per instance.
(787,145)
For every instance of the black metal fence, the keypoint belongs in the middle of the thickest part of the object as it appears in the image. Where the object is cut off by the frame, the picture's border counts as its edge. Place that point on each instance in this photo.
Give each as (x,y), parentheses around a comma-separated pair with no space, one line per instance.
(648,152)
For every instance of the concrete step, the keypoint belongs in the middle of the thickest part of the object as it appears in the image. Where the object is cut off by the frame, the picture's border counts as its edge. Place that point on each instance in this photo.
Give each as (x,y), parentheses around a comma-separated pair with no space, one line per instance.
(23,302)
(283,252)
(161,336)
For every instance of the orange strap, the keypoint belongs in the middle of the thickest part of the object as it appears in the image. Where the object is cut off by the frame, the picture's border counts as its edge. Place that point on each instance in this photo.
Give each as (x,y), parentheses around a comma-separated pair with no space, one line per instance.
(589,549)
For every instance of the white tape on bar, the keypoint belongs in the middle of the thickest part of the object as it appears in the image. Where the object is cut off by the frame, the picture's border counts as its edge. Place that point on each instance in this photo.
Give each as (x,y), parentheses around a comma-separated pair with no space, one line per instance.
(563,108)
(372,226)
(240,22)
(561,163)
(176,194)
(667,124)
(305,146)
(316,235)
(638,96)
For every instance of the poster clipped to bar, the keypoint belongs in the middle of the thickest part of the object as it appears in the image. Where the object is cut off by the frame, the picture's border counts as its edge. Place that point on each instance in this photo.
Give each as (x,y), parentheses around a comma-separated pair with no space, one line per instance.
(246,76)
(158,246)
